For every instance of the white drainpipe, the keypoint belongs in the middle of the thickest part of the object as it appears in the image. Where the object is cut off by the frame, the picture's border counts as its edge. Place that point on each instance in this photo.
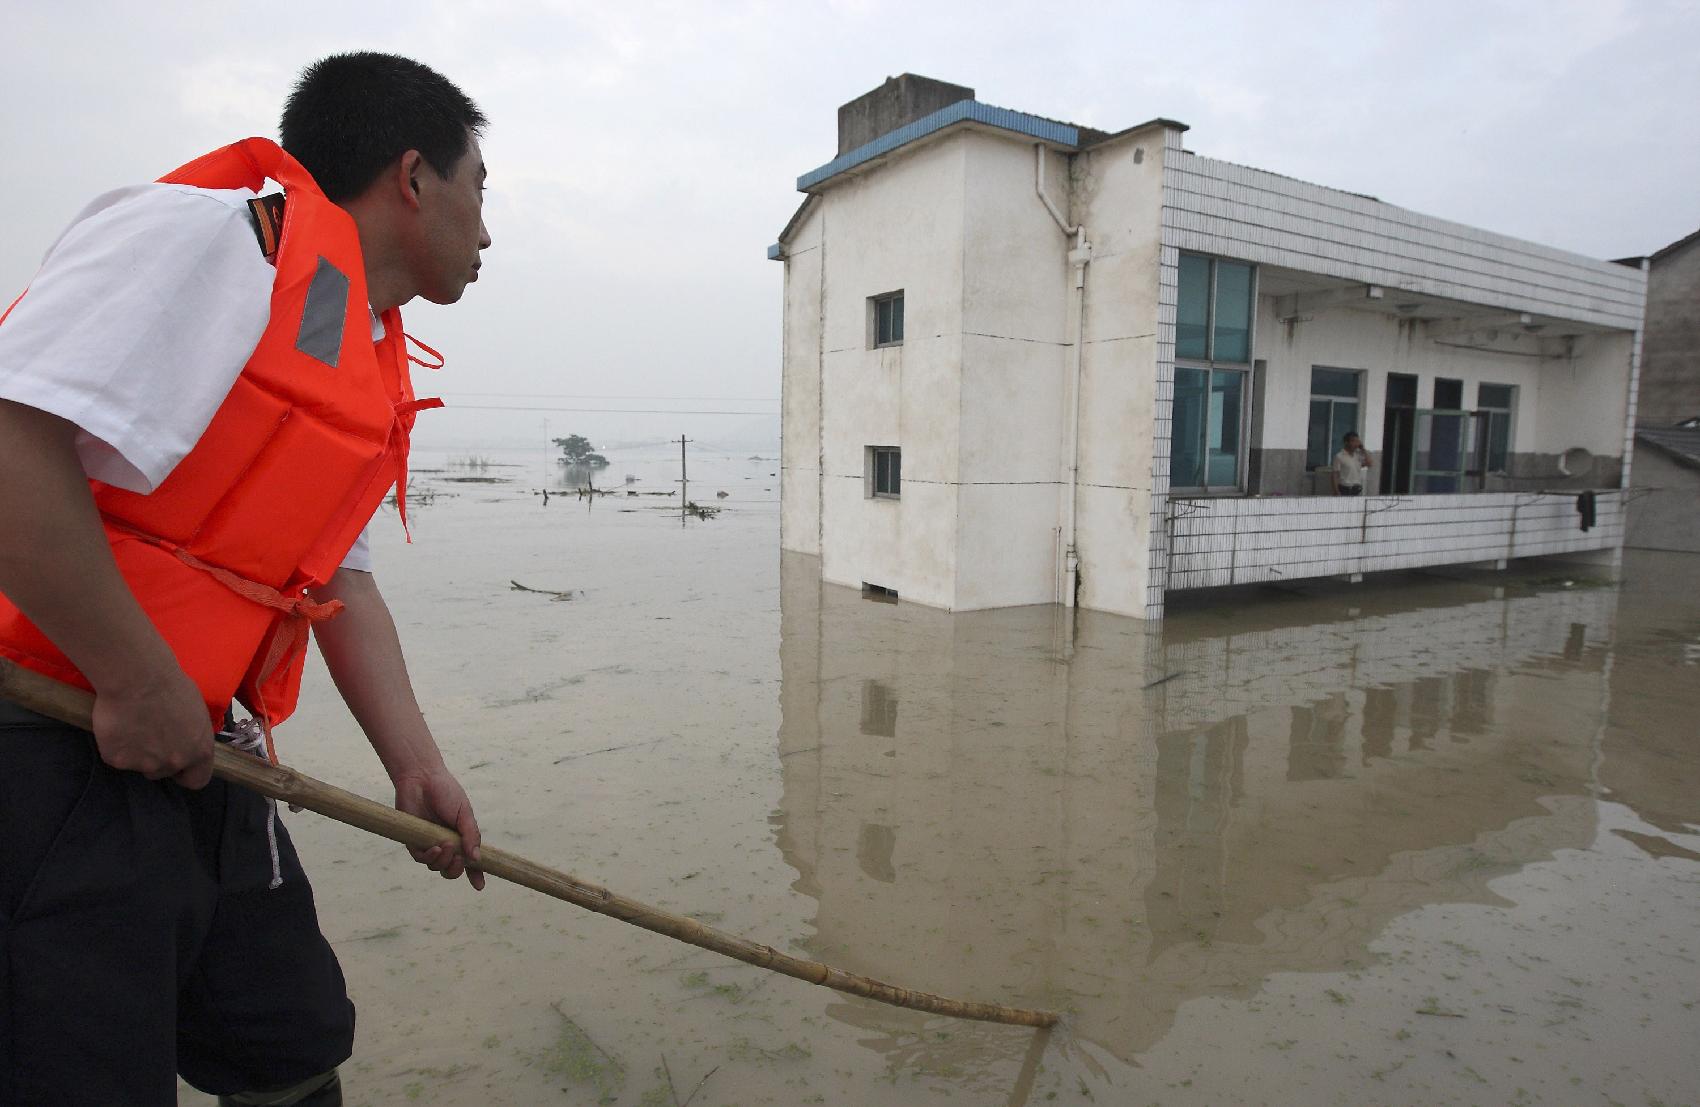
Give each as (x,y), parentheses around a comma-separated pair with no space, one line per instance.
(1078,257)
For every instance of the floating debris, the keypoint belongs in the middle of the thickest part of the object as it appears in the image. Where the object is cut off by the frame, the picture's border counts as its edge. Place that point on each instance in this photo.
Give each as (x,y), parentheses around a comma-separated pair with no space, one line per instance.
(673,1089)
(610,749)
(559,596)
(418,495)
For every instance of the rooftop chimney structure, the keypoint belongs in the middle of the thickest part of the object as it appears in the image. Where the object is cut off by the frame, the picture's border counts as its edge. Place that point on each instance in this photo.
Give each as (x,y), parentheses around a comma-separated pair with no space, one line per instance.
(898,101)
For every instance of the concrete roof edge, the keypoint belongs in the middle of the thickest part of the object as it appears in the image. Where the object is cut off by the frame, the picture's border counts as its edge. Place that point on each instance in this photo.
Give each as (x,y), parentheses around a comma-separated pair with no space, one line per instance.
(1677,443)
(792,224)
(1160,121)
(963,111)
(1673,247)
(1583,260)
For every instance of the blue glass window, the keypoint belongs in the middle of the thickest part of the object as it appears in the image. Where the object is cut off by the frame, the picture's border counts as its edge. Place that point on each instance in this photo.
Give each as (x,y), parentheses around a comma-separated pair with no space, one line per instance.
(1191,414)
(1230,333)
(1494,403)
(1213,310)
(1192,312)
(888,319)
(1206,428)
(886,478)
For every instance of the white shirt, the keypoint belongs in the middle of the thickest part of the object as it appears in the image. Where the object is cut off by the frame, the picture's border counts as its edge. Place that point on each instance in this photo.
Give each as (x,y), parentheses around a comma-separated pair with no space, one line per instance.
(1349,468)
(137,325)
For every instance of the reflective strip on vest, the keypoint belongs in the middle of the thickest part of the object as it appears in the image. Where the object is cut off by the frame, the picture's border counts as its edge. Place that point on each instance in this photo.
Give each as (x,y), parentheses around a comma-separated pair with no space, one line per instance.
(325,314)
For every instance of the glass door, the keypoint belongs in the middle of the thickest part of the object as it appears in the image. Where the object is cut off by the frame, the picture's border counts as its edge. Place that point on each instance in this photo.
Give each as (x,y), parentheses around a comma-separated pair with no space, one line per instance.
(1441,450)
(1398,433)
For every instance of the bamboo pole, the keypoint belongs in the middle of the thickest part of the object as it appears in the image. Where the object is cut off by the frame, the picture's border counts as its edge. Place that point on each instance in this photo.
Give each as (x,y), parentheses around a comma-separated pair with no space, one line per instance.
(75,707)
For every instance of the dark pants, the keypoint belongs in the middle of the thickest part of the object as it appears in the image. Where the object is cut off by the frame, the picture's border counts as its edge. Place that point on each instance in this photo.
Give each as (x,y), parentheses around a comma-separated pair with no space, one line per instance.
(139,938)
(1351,490)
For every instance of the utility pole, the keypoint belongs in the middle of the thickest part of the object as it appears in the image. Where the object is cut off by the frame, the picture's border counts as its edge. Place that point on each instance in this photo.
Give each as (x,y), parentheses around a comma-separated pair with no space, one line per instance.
(684,484)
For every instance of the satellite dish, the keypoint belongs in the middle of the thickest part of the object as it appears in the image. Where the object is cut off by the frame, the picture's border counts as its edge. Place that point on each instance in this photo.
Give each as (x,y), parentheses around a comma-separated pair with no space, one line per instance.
(1575,462)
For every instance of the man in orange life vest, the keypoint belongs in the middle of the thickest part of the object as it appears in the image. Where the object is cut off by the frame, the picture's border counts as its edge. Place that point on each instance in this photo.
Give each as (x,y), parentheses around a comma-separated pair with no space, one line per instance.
(204,396)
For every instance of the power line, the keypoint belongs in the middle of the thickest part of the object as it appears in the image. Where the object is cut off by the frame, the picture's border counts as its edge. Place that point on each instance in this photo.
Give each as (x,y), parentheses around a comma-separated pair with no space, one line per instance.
(603,410)
(590,396)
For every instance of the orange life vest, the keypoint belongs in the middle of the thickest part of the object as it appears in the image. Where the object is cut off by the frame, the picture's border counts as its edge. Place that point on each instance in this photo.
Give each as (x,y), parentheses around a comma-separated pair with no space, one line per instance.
(311,438)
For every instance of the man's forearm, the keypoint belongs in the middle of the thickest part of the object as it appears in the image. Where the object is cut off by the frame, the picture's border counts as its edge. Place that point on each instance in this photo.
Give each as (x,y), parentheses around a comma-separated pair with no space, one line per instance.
(55,563)
(363,653)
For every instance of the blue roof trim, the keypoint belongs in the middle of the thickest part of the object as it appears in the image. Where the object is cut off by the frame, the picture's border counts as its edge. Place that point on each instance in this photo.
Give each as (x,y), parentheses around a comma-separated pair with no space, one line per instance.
(1033,126)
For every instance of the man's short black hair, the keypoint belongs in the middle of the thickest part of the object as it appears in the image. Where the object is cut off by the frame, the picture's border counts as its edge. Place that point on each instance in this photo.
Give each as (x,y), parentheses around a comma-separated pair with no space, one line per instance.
(1349,436)
(351,115)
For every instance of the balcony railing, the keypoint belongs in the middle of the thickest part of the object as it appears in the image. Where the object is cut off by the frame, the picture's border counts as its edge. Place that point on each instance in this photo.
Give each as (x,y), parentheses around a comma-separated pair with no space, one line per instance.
(1258,540)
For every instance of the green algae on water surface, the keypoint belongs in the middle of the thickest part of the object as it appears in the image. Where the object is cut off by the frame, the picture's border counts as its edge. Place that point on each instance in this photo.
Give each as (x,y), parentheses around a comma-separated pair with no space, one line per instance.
(577,1057)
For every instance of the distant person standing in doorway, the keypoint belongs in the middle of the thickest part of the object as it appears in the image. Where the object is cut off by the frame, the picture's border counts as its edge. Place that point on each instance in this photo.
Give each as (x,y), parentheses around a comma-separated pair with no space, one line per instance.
(1349,465)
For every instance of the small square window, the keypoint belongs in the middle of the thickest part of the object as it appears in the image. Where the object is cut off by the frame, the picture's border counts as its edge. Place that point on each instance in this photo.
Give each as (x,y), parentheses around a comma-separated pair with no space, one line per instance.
(885,471)
(886,319)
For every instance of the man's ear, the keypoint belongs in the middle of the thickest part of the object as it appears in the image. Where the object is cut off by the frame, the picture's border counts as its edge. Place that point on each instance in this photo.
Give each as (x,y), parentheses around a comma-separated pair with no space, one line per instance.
(408,170)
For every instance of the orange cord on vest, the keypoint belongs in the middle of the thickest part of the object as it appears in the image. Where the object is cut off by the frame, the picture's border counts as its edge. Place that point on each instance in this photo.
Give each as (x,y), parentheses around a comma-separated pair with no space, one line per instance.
(14,304)
(429,365)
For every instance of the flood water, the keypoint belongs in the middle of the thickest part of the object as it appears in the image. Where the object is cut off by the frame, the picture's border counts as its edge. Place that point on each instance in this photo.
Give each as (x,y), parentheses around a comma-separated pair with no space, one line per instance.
(1427,839)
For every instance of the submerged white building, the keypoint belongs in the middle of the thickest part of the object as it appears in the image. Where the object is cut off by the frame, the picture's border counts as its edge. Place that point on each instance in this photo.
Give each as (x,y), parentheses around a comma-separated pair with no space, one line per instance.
(1028,362)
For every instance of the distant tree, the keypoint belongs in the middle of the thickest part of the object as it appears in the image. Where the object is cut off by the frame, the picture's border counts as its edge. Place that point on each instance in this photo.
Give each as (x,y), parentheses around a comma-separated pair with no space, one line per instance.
(574,448)
(577,450)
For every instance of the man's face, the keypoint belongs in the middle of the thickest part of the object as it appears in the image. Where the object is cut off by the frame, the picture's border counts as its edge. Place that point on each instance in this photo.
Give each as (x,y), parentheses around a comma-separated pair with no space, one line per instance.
(453,212)
(1353,444)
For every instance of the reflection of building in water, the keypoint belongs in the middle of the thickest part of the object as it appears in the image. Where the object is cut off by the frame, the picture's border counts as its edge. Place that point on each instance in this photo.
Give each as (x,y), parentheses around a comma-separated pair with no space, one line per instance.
(1176,810)
(1649,740)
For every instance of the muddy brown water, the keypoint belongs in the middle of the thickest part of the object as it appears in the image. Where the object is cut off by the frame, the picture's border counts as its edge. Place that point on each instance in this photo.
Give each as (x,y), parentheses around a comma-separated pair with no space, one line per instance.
(1428,839)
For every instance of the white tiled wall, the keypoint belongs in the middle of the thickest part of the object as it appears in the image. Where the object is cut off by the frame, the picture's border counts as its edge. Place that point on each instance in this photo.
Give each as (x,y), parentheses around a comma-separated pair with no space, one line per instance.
(1262,540)
(1218,207)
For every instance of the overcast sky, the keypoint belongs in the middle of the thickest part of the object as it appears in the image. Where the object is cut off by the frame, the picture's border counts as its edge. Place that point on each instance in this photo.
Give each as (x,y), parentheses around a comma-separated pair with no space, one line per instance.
(642,156)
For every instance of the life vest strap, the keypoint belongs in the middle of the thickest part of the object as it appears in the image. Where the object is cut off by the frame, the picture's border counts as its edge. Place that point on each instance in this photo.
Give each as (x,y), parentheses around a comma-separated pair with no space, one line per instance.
(403,410)
(288,637)
(296,607)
